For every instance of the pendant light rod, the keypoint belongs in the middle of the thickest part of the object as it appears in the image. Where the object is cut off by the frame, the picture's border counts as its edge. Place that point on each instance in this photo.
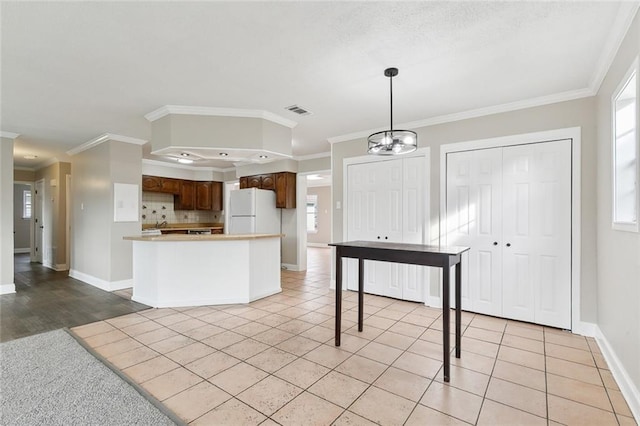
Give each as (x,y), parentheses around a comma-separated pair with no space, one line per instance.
(391,72)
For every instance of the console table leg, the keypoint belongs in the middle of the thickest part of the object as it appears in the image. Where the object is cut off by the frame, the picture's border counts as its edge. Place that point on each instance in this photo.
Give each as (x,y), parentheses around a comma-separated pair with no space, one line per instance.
(445,320)
(360,293)
(458,307)
(338,296)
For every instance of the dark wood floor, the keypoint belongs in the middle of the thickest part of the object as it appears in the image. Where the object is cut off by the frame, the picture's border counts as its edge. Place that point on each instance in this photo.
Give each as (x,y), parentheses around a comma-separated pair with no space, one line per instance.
(47,300)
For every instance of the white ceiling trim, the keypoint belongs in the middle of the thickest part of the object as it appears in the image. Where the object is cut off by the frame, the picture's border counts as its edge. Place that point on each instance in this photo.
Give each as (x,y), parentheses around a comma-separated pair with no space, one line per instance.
(9,135)
(619,30)
(220,112)
(26,169)
(103,138)
(312,156)
(185,167)
(475,113)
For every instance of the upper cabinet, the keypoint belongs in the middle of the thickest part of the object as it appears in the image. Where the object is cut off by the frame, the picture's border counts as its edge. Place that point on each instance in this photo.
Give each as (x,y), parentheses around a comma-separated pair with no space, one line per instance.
(208,196)
(188,194)
(186,199)
(283,183)
(160,184)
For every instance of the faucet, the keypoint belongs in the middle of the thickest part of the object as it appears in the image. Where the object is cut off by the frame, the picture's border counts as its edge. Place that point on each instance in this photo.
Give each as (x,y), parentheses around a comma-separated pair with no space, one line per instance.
(160,225)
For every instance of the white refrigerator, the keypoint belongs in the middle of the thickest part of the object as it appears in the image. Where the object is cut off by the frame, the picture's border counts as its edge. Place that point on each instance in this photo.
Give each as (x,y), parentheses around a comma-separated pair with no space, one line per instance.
(253,211)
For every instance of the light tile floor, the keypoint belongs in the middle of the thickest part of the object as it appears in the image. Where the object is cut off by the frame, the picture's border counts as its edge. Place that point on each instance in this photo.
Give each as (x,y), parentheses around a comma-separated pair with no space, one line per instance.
(273,362)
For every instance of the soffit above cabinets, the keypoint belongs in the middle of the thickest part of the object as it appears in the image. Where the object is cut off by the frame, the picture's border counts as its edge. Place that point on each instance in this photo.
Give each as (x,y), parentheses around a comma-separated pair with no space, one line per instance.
(216,137)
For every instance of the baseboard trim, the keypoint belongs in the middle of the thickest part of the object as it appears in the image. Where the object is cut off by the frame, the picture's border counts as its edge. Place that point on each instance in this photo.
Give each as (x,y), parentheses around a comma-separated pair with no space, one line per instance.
(627,387)
(181,303)
(291,267)
(100,283)
(255,297)
(587,329)
(7,288)
(21,250)
(60,267)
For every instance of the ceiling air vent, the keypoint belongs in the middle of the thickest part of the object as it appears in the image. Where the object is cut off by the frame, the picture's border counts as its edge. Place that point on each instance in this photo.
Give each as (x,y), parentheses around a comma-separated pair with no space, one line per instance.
(298,110)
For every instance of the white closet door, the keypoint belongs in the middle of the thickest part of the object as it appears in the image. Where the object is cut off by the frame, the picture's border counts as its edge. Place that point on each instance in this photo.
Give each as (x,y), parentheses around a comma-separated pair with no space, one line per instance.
(474,186)
(537,233)
(413,219)
(386,203)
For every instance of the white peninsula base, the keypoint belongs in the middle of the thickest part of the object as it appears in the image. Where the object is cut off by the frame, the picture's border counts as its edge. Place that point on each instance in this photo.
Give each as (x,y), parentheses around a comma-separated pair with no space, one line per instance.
(197,270)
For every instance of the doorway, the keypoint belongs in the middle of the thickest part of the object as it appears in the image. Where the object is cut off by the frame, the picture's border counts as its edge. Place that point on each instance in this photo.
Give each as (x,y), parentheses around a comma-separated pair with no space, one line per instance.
(38,222)
(22,217)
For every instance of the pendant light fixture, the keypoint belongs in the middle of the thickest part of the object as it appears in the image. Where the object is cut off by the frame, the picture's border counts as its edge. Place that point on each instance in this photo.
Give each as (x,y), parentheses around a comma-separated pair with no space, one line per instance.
(392,142)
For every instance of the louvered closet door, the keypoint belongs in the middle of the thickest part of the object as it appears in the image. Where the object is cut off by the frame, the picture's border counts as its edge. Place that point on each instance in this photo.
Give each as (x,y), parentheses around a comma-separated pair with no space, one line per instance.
(474,219)
(537,233)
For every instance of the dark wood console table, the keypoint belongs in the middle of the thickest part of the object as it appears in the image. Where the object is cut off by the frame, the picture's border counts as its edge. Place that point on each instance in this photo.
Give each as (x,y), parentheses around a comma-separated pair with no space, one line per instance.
(414,254)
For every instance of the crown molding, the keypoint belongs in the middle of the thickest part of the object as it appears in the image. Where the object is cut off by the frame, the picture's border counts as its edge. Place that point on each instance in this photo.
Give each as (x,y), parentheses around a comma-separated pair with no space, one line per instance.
(312,156)
(103,138)
(475,113)
(619,29)
(24,169)
(220,112)
(9,135)
(183,166)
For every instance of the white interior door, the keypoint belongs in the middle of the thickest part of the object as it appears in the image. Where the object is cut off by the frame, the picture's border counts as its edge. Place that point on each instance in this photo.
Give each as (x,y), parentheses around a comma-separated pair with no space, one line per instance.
(474,216)
(38,221)
(512,207)
(537,233)
(385,202)
(413,220)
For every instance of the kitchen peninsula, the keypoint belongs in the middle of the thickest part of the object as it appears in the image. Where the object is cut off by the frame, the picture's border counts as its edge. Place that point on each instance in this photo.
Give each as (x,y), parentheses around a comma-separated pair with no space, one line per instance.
(176,270)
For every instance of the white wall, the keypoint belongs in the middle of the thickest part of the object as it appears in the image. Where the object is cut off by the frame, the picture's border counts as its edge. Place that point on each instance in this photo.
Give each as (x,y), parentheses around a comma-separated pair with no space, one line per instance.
(618,251)
(99,254)
(21,227)
(6,216)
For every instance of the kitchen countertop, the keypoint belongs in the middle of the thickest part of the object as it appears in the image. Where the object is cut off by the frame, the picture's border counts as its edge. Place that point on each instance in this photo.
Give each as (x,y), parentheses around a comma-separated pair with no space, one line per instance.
(185,226)
(191,237)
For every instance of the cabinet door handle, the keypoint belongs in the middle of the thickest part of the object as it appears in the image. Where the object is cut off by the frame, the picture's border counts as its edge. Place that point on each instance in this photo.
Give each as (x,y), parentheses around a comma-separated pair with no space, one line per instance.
(378,236)
(386,238)
(508,244)
(495,243)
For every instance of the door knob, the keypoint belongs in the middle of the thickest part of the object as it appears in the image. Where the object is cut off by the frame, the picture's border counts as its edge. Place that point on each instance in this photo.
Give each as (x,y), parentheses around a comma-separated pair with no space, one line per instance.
(386,238)
(495,243)
(508,244)
(378,236)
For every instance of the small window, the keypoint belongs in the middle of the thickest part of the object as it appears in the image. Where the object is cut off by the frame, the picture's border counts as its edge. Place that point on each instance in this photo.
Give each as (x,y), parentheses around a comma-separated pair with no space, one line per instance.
(625,152)
(312,213)
(26,204)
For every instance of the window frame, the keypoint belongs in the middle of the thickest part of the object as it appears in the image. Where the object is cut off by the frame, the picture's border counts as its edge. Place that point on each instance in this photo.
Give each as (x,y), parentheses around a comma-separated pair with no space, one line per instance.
(632,72)
(25,193)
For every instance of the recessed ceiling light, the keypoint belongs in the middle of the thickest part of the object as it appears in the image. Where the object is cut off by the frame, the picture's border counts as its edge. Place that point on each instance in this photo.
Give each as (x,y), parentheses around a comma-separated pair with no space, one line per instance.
(223,154)
(30,157)
(263,156)
(184,161)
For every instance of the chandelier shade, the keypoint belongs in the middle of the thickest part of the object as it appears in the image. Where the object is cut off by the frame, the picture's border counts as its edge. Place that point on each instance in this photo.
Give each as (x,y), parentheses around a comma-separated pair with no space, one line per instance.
(392,142)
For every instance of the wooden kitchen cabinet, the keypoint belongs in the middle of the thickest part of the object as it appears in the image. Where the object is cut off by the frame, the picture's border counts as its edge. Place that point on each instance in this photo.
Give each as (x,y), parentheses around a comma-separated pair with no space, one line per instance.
(267,181)
(283,183)
(216,196)
(286,190)
(208,196)
(186,199)
(160,184)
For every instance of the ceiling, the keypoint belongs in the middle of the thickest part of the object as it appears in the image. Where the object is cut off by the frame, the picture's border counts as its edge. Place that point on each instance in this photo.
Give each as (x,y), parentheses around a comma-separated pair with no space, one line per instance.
(72,71)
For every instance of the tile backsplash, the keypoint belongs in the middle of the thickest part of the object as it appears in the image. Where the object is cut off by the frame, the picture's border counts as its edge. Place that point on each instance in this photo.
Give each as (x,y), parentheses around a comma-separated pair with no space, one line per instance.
(157,208)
